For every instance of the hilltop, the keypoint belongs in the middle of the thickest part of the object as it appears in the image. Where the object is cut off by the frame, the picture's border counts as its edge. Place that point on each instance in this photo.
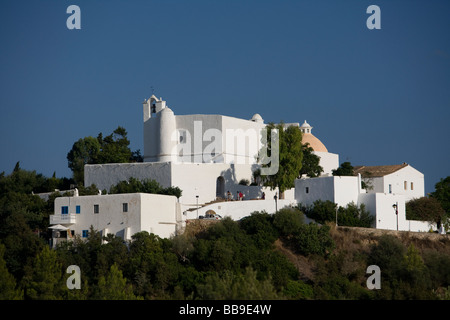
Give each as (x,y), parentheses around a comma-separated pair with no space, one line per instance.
(414,265)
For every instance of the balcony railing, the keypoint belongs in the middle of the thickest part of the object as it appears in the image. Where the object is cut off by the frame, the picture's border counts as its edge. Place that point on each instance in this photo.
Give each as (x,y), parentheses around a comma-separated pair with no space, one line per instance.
(69,218)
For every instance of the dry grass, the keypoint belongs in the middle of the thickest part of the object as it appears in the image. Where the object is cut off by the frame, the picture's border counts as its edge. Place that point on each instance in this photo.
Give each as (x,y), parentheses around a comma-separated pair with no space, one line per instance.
(302,263)
(361,239)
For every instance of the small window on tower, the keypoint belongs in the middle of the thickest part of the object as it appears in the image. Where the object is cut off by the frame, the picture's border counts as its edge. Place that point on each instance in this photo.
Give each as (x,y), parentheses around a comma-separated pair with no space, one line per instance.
(307,189)
(182,136)
(412,186)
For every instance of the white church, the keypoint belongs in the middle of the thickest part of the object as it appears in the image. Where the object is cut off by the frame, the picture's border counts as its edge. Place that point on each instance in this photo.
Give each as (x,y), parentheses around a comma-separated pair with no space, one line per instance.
(211,158)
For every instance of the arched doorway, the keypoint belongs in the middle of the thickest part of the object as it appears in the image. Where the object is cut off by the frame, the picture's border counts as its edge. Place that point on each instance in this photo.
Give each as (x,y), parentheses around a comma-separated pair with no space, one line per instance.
(220,187)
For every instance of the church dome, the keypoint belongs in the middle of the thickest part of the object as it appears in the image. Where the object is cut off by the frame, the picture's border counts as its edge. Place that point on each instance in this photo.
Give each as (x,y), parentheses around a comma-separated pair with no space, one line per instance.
(314,143)
(257,118)
(309,138)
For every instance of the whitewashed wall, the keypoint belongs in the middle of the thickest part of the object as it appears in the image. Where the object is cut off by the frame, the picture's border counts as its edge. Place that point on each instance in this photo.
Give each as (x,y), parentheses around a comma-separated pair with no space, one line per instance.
(106,175)
(397,182)
(340,190)
(381,205)
(328,161)
(408,174)
(236,210)
(149,212)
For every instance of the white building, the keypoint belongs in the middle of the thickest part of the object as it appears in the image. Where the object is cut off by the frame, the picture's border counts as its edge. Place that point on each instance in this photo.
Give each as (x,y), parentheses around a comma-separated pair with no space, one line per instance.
(390,189)
(203,155)
(393,179)
(208,155)
(198,138)
(120,214)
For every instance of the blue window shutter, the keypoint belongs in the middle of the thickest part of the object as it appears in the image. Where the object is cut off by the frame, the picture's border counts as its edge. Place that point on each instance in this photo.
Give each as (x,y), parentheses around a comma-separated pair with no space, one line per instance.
(78,209)
(64,210)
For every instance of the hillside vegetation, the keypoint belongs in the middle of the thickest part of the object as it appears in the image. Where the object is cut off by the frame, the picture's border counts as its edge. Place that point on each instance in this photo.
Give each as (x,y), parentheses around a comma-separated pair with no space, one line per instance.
(262,256)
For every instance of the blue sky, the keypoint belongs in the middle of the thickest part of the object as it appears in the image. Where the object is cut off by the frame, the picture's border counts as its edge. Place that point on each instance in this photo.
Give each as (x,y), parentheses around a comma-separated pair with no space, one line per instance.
(375,97)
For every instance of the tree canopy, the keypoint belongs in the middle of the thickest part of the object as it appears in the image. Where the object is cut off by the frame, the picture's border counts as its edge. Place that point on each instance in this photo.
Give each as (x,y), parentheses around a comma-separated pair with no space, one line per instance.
(134,185)
(442,194)
(290,157)
(113,148)
(425,209)
(345,169)
(311,162)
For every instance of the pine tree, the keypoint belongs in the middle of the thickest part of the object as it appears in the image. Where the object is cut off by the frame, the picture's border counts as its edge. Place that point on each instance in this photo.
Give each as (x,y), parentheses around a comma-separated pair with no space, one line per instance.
(8,289)
(114,286)
(45,280)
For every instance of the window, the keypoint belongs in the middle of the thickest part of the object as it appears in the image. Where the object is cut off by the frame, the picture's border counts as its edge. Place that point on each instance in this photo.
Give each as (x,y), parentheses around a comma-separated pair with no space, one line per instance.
(78,209)
(125,207)
(412,186)
(390,188)
(96,208)
(182,136)
(85,233)
(64,210)
(307,189)
(405,185)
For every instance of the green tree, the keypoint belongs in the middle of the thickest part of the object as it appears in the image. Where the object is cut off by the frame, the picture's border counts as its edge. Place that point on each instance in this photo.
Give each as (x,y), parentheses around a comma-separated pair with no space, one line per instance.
(321,211)
(8,288)
(259,226)
(84,151)
(425,209)
(134,185)
(290,157)
(113,148)
(311,162)
(114,286)
(298,290)
(44,281)
(413,260)
(231,286)
(355,216)
(442,194)
(152,265)
(288,221)
(345,169)
(312,239)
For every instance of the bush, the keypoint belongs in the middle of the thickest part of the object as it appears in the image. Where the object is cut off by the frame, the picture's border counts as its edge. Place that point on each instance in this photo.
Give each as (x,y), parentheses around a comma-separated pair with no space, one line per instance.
(259,226)
(288,221)
(298,290)
(321,211)
(351,216)
(354,216)
(311,239)
(244,182)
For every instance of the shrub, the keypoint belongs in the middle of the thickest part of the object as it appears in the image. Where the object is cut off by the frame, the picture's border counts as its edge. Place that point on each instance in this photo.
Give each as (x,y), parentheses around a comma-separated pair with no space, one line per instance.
(312,239)
(288,221)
